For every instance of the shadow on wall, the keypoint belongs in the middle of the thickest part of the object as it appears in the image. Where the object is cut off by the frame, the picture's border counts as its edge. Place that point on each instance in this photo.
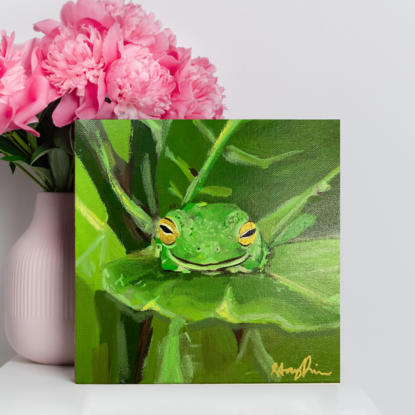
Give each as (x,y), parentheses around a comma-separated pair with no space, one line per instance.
(17,201)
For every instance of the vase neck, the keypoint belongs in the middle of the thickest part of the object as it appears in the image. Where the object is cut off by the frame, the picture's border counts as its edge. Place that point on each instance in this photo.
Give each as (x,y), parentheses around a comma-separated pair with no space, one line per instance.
(53,208)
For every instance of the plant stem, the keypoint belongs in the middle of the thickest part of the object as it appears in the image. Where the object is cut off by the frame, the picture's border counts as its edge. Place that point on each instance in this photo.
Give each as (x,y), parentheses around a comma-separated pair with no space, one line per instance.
(22,144)
(140,217)
(71,173)
(33,142)
(10,138)
(197,184)
(32,177)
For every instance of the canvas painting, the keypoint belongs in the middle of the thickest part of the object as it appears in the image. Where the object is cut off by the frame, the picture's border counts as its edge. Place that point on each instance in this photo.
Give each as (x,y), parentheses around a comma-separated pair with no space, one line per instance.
(207,251)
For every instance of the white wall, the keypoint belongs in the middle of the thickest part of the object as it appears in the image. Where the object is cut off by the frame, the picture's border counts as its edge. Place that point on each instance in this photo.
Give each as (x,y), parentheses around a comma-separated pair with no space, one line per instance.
(348,59)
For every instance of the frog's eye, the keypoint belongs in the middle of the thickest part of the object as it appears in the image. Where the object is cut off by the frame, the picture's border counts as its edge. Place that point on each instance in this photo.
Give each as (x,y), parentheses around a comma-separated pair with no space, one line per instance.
(167,231)
(247,234)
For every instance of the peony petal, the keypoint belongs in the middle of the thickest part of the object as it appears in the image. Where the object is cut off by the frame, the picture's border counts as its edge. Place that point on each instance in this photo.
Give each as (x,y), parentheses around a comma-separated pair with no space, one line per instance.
(160,45)
(32,100)
(181,102)
(106,112)
(69,13)
(46,26)
(27,51)
(65,112)
(90,9)
(6,115)
(89,103)
(110,47)
(102,90)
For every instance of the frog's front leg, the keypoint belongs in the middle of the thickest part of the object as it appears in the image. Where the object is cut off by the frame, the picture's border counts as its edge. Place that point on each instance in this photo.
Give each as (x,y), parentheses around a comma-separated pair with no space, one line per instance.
(171,366)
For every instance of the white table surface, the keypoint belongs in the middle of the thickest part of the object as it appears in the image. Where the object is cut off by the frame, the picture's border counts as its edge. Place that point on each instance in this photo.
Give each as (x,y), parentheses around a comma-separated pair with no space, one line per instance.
(29,388)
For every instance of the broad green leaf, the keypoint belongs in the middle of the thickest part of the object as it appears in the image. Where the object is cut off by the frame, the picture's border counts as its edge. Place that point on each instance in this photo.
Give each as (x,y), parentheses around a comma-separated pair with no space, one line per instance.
(276,222)
(265,298)
(295,229)
(46,174)
(12,167)
(311,267)
(45,148)
(217,191)
(15,159)
(62,139)
(59,165)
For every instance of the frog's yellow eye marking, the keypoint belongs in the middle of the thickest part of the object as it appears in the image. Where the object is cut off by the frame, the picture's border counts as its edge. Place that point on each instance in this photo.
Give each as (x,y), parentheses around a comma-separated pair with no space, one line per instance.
(247,234)
(167,231)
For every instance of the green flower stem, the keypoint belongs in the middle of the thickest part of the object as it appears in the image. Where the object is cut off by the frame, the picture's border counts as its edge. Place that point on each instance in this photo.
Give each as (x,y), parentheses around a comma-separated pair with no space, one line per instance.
(11,139)
(44,187)
(171,368)
(26,148)
(140,217)
(27,173)
(217,149)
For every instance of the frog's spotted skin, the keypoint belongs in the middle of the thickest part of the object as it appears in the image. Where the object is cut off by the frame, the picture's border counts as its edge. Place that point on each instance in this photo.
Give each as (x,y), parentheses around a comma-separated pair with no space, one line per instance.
(210,238)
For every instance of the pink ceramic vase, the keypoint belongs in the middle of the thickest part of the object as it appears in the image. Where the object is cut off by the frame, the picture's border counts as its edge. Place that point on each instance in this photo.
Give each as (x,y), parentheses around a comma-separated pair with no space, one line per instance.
(40,286)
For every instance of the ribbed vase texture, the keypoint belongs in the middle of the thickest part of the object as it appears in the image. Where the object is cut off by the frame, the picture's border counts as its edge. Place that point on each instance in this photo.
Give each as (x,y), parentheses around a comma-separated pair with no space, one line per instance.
(40,286)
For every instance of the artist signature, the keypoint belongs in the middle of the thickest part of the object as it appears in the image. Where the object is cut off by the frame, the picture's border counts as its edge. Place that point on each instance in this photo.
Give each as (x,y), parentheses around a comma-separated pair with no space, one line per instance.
(301,371)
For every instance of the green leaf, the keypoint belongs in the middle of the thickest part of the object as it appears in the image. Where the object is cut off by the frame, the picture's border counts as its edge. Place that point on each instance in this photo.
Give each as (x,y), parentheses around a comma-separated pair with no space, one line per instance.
(237,156)
(184,167)
(46,174)
(276,222)
(12,167)
(32,140)
(62,139)
(60,166)
(160,130)
(214,153)
(173,189)
(15,159)
(41,151)
(94,136)
(295,229)
(8,147)
(281,296)
(311,268)
(217,191)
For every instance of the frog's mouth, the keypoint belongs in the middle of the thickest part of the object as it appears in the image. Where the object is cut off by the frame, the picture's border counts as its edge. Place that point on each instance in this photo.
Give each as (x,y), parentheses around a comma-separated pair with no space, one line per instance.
(213,266)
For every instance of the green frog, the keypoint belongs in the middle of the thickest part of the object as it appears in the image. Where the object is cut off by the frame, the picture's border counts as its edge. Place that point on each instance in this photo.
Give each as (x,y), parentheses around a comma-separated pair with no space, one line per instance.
(210,238)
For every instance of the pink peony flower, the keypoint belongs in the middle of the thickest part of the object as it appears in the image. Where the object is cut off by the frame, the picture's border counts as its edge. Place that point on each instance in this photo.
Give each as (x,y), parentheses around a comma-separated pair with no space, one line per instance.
(139,28)
(74,57)
(81,58)
(197,94)
(22,95)
(138,85)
